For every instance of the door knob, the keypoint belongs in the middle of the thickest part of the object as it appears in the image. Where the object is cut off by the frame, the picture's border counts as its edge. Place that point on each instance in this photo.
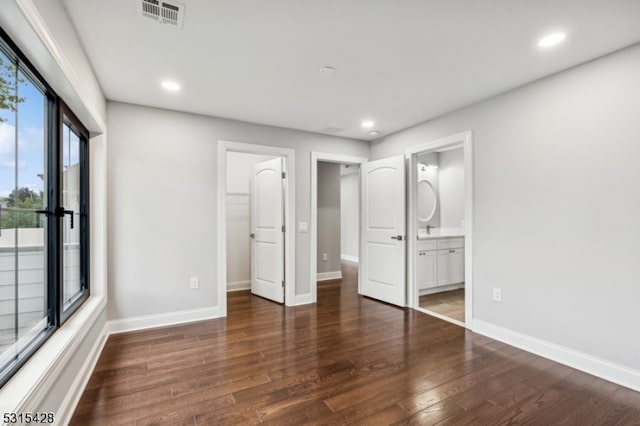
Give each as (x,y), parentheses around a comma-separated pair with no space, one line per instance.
(397,237)
(252,235)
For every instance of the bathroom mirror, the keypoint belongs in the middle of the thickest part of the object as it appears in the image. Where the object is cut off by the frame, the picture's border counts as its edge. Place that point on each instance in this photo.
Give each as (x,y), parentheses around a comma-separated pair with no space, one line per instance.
(426,201)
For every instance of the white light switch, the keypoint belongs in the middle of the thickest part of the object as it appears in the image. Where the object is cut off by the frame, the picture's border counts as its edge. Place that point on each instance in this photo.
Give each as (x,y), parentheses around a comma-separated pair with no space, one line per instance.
(302,227)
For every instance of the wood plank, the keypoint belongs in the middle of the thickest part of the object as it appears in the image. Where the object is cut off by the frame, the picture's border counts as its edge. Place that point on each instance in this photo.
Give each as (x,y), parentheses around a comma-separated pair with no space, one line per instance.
(347,359)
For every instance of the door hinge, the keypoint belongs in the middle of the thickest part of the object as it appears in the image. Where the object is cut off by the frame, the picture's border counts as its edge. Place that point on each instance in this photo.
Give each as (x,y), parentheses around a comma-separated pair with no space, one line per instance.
(284,228)
(282,283)
(284,175)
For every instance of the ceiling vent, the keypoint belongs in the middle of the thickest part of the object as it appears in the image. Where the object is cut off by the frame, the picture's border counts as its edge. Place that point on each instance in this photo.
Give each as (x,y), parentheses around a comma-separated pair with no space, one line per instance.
(163,12)
(331,130)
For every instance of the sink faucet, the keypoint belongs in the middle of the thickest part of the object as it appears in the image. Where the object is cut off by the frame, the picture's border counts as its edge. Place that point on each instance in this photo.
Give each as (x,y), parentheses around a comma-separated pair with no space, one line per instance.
(429,229)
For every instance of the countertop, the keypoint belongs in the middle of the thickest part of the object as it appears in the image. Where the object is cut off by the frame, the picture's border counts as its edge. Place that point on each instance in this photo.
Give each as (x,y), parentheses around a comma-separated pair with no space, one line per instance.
(440,233)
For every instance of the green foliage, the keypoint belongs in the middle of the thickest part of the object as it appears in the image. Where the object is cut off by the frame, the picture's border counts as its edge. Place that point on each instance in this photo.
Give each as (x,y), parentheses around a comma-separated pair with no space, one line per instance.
(8,88)
(14,214)
(21,195)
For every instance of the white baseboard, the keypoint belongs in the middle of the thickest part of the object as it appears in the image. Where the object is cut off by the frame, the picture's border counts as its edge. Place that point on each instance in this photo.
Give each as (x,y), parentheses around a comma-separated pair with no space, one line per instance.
(607,370)
(302,299)
(347,258)
(334,275)
(161,320)
(435,290)
(70,402)
(239,285)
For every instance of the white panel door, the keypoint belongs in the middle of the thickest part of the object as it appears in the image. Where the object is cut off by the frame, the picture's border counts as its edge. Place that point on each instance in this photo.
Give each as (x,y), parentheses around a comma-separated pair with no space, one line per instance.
(383,230)
(267,236)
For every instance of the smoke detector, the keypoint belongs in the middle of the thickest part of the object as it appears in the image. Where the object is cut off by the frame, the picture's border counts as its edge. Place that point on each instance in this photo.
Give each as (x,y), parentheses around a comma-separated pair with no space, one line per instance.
(163,12)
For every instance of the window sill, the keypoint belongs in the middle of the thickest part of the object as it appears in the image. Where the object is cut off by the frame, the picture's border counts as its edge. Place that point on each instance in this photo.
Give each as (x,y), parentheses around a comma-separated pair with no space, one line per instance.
(28,387)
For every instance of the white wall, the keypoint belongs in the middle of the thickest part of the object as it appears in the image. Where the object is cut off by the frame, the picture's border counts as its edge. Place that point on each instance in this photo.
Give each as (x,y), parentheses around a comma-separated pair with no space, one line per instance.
(557,206)
(349,215)
(76,82)
(328,217)
(239,171)
(451,188)
(239,167)
(162,203)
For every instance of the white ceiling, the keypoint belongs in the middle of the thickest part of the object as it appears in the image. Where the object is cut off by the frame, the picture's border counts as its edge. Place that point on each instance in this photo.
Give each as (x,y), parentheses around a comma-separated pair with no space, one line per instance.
(399,62)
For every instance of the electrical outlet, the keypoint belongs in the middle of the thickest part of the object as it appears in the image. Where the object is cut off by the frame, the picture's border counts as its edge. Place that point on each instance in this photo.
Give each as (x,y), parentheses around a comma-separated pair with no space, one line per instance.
(324,257)
(193,283)
(303,227)
(497,294)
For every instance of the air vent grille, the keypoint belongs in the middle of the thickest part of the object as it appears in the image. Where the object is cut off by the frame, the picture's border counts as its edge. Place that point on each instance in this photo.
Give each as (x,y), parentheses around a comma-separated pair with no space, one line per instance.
(331,130)
(163,12)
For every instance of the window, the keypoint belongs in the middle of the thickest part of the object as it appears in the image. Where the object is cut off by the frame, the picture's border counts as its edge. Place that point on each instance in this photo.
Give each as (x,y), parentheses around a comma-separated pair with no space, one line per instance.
(43,211)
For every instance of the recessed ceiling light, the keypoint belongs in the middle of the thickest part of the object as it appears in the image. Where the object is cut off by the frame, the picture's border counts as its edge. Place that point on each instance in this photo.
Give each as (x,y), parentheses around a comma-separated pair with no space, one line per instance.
(327,71)
(367,124)
(552,39)
(374,133)
(171,86)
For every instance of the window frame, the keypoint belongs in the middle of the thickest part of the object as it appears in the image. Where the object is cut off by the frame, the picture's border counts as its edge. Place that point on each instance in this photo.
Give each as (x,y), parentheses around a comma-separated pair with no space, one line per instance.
(66,116)
(57,113)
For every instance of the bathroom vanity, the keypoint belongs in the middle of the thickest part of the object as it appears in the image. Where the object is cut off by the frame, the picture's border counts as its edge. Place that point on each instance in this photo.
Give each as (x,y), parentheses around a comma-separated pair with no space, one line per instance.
(440,248)
(439,261)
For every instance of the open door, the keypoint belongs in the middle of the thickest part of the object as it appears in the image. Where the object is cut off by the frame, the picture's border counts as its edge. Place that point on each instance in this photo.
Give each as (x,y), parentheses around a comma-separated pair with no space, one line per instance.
(383,230)
(267,230)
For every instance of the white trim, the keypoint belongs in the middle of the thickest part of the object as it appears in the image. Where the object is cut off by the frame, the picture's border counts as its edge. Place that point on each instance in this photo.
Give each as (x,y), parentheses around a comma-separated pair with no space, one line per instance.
(347,258)
(290,214)
(598,367)
(313,261)
(440,289)
(40,28)
(239,285)
(70,401)
(464,140)
(325,276)
(27,389)
(163,320)
(303,299)
(439,316)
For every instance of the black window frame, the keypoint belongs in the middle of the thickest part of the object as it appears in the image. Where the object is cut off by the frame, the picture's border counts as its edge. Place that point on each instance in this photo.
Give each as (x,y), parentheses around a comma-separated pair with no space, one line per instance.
(67,117)
(57,113)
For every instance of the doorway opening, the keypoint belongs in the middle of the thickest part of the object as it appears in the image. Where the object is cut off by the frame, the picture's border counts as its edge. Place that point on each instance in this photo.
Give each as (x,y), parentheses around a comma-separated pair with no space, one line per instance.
(335,218)
(440,228)
(241,244)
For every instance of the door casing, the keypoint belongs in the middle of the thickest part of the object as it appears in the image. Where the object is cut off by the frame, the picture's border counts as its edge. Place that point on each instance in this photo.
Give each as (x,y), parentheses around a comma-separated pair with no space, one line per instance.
(289,160)
(313,261)
(464,140)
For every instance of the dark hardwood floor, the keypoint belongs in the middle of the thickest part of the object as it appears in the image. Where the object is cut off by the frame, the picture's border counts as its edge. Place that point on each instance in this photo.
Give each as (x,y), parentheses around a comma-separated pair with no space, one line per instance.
(347,359)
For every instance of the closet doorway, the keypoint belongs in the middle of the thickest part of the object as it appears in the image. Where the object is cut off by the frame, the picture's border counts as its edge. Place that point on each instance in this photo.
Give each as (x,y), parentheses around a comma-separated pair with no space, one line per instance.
(244,173)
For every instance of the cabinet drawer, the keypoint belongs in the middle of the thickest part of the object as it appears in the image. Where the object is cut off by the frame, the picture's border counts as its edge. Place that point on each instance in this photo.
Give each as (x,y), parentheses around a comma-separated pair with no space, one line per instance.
(451,243)
(427,245)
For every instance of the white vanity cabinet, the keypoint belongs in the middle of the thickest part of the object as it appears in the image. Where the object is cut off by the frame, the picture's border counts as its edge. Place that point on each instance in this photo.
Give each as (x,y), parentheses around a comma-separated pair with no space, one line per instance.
(426,263)
(440,262)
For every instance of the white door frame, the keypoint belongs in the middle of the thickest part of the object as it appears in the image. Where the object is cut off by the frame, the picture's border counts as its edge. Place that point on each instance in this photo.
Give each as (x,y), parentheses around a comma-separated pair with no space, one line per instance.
(289,206)
(464,140)
(329,158)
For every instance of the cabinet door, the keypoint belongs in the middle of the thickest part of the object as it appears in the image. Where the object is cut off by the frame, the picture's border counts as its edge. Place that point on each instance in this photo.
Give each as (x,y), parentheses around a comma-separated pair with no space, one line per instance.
(426,270)
(444,267)
(457,265)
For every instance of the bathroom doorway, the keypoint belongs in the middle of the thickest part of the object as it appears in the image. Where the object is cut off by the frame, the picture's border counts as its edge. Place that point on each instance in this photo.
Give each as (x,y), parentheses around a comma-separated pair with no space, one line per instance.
(440,212)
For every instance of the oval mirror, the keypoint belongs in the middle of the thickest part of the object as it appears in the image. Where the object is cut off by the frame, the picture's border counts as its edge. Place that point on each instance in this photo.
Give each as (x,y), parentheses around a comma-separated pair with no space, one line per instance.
(426,201)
